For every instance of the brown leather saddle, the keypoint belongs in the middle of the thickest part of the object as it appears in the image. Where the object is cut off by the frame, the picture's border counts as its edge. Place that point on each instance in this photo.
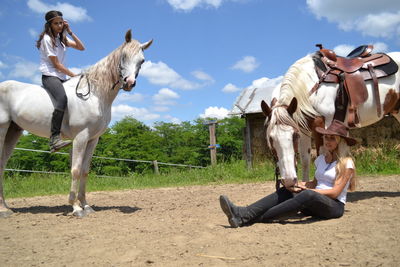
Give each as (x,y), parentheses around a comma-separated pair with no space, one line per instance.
(351,73)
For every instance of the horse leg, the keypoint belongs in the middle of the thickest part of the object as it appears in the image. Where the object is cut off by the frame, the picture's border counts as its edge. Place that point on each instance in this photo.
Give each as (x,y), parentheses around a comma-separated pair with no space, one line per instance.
(78,153)
(85,172)
(9,141)
(305,155)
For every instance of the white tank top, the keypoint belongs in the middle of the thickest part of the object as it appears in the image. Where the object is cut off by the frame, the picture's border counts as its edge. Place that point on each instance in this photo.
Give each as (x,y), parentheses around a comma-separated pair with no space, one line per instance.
(325,174)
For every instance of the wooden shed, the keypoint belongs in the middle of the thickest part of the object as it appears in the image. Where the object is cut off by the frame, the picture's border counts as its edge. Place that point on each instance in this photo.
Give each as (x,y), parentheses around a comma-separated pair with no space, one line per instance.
(248,106)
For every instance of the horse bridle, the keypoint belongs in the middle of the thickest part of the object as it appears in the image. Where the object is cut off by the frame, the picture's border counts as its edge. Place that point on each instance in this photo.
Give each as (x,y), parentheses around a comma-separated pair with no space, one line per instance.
(120,80)
(295,138)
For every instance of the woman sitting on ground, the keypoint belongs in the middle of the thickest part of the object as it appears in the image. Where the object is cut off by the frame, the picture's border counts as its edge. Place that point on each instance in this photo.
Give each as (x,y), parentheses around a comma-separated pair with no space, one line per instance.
(324,197)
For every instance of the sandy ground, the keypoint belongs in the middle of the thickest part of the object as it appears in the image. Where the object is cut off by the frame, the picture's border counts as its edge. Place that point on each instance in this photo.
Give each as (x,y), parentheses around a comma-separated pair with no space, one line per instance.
(185,227)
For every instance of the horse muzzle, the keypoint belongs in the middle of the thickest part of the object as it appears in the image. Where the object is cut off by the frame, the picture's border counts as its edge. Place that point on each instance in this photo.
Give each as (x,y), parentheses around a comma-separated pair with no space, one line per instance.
(128,84)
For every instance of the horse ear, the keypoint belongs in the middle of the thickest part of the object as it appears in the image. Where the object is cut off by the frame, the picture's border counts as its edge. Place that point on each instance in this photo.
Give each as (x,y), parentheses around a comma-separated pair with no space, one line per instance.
(147,44)
(128,36)
(292,106)
(273,102)
(265,108)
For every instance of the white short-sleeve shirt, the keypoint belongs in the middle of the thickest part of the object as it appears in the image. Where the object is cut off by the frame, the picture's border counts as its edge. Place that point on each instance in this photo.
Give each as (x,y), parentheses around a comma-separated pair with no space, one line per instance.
(325,174)
(46,50)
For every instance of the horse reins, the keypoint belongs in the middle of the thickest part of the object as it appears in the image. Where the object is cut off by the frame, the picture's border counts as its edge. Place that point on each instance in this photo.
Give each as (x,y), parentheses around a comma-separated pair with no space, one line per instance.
(80,95)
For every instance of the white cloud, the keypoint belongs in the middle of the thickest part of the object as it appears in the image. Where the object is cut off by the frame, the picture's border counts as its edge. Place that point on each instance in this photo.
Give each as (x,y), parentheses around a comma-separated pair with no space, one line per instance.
(370,17)
(381,47)
(33,33)
(161,108)
(25,69)
(129,97)
(142,114)
(230,88)
(265,82)
(70,12)
(246,64)
(165,97)
(173,120)
(215,112)
(344,49)
(200,75)
(161,74)
(2,65)
(75,70)
(188,5)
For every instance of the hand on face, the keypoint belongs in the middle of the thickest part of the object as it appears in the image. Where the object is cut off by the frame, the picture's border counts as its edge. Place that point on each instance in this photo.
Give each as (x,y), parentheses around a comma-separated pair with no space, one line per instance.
(66,26)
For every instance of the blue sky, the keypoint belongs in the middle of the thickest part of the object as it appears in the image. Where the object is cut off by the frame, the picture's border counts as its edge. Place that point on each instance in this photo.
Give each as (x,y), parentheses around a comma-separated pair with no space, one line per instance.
(205,52)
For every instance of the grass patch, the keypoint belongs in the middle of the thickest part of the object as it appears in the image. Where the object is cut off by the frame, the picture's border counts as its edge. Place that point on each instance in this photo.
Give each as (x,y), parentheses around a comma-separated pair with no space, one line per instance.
(232,172)
(381,160)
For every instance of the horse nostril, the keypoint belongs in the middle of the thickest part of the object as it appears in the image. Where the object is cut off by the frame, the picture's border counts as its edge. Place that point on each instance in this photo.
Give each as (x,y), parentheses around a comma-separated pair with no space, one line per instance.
(125,79)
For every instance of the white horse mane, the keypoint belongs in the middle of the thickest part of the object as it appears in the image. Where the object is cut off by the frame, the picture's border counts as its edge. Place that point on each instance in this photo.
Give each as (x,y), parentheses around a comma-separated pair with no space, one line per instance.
(296,83)
(282,117)
(105,73)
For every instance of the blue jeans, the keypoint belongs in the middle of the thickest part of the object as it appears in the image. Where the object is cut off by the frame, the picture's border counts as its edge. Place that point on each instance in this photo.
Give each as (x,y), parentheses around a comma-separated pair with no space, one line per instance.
(283,201)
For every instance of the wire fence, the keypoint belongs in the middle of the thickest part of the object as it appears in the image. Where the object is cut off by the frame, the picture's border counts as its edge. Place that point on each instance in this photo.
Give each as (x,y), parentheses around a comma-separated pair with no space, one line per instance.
(155,163)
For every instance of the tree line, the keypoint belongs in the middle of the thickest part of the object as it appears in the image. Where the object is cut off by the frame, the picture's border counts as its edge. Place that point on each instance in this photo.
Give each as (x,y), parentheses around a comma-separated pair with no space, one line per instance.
(184,143)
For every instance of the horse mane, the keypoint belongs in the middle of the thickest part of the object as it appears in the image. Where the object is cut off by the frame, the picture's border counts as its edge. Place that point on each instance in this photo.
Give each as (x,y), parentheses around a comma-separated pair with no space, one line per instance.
(296,83)
(280,116)
(105,73)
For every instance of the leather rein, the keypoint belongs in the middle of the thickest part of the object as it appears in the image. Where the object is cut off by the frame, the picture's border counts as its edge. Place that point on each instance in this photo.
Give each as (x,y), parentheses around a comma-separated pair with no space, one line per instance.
(80,95)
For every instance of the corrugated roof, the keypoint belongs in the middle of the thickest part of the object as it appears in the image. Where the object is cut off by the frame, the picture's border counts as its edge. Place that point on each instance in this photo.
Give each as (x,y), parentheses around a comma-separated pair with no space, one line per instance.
(249,100)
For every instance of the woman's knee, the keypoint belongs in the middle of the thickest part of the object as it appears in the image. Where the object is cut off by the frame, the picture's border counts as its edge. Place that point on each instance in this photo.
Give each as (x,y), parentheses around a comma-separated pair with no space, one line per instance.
(307,193)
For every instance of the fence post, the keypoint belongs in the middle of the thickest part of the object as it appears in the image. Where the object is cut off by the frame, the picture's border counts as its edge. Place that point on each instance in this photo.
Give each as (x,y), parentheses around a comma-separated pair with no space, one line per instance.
(213,142)
(155,164)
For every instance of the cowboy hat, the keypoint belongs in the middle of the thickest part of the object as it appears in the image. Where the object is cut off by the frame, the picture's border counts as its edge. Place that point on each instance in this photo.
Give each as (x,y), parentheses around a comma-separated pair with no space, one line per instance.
(338,128)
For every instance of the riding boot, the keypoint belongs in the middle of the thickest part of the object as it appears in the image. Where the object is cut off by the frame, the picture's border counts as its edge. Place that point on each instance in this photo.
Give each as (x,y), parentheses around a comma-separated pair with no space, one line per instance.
(55,140)
(237,216)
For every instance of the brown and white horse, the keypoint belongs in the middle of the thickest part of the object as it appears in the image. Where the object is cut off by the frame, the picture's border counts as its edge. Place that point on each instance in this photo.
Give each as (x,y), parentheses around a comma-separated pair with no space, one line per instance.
(29,107)
(296,113)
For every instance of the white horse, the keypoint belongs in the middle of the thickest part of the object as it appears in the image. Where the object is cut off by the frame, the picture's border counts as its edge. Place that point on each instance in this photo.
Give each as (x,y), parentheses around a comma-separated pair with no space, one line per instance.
(295,114)
(29,107)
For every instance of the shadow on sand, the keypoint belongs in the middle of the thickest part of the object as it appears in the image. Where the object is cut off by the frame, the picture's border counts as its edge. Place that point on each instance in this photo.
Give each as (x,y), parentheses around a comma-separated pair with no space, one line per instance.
(67,209)
(361,195)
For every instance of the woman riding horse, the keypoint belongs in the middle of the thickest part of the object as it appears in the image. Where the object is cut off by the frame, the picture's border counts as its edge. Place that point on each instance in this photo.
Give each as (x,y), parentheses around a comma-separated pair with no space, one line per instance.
(52,45)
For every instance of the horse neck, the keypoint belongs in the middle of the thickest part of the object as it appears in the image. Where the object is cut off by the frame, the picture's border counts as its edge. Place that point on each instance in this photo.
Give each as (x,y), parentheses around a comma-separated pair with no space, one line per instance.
(103,76)
(297,82)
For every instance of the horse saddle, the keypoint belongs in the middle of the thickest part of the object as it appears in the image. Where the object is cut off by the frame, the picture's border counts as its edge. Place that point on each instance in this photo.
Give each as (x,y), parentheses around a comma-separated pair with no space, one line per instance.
(351,73)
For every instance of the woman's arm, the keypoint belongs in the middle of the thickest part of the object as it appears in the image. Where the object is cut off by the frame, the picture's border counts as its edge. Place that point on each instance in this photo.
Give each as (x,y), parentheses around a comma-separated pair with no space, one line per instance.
(61,67)
(339,185)
(76,42)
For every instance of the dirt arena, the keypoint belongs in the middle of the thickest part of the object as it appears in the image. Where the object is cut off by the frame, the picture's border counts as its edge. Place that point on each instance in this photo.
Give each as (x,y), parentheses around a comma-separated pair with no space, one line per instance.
(185,227)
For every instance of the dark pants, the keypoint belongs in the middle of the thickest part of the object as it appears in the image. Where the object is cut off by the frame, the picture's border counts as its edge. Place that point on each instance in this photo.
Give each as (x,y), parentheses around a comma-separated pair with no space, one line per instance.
(55,88)
(283,202)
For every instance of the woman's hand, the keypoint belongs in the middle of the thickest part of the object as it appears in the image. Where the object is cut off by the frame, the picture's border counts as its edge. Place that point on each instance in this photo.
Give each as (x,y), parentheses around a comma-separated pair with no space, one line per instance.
(66,27)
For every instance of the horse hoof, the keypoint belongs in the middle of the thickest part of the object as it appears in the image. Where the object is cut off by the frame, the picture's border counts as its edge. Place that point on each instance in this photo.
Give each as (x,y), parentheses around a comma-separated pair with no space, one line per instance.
(79,213)
(6,214)
(87,210)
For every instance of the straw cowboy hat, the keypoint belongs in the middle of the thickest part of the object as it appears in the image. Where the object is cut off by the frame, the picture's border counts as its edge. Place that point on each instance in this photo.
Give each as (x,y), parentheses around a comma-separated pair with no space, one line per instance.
(338,128)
